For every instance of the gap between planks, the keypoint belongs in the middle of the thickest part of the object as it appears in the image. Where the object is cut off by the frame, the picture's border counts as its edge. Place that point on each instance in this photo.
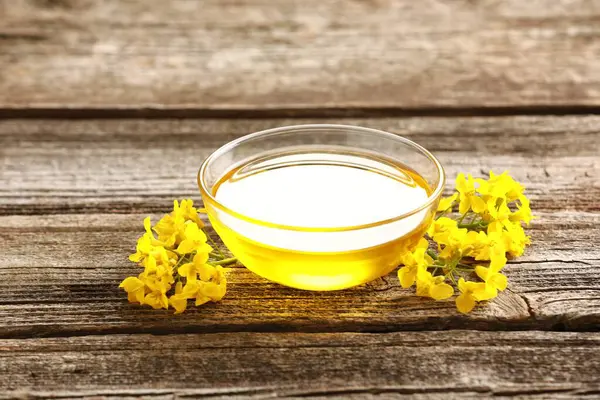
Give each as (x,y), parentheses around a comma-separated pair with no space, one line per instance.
(67,111)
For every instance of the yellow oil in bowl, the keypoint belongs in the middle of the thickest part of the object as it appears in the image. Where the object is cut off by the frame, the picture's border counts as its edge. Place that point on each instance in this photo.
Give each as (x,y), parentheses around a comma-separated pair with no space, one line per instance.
(308,204)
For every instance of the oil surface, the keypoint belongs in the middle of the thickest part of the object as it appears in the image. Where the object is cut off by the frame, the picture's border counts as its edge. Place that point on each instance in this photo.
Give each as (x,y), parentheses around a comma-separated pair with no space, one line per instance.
(322,195)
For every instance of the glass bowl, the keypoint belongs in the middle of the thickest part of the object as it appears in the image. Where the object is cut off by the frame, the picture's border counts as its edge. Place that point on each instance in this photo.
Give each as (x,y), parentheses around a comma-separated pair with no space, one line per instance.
(321,207)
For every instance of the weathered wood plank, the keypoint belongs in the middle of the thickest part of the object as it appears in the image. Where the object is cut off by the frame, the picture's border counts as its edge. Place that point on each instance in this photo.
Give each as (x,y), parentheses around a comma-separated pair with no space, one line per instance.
(265,54)
(60,272)
(54,166)
(59,275)
(441,364)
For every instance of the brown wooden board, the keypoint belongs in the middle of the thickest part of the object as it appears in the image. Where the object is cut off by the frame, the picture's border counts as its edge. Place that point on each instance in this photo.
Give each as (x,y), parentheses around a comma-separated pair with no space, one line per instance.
(264,54)
(73,195)
(125,165)
(338,365)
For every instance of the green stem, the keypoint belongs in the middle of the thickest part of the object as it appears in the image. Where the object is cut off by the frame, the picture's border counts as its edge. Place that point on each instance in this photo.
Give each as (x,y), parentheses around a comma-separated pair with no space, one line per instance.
(214,245)
(474,225)
(443,213)
(225,261)
(451,276)
(182,258)
(432,254)
(462,218)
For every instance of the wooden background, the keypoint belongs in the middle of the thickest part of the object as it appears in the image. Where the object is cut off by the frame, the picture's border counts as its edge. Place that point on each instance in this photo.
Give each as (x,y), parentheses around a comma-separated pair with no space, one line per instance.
(108,108)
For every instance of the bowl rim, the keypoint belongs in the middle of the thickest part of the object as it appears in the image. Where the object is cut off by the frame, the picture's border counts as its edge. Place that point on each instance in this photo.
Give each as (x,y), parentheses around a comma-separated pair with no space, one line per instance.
(206,194)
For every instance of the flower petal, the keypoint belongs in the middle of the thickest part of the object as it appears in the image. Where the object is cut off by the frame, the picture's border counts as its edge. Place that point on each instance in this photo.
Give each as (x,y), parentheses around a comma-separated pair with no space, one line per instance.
(477,204)
(186,270)
(201,257)
(186,246)
(499,281)
(482,272)
(206,271)
(461,182)
(447,202)
(465,303)
(464,205)
(178,302)
(131,284)
(406,276)
(201,299)
(441,291)
(148,225)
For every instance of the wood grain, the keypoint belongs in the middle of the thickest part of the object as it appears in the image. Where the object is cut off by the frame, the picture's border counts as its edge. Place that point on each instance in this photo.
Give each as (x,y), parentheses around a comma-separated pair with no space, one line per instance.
(59,276)
(260,54)
(440,364)
(57,166)
(73,194)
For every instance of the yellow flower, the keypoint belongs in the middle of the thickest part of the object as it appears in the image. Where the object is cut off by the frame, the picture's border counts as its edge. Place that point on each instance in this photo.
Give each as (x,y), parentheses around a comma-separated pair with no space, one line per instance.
(170,230)
(157,300)
(500,186)
(492,277)
(179,300)
(197,267)
(413,261)
(495,249)
(158,279)
(498,261)
(215,290)
(142,249)
(207,291)
(453,244)
(473,243)
(432,286)
(157,286)
(499,215)
(192,289)
(515,239)
(491,203)
(146,244)
(471,293)
(135,289)
(162,271)
(194,240)
(523,212)
(447,202)
(441,229)
(186,211)
(180,241)
(157,283)
(171,227)
(489,191)
(512,188)
(468,196)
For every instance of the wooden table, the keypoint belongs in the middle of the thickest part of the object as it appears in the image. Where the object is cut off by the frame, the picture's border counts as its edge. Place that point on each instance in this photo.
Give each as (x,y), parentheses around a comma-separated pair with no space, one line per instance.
(109,107)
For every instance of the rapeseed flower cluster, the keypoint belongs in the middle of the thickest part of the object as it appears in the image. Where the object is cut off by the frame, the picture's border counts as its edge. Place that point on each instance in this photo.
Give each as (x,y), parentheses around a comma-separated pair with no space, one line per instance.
(473,246)
(178,263)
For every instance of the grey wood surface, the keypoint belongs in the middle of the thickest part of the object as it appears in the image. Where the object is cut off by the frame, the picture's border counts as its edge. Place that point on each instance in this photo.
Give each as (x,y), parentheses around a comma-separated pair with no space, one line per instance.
(75,192)
(271,54)
(107,109)
(299,365)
